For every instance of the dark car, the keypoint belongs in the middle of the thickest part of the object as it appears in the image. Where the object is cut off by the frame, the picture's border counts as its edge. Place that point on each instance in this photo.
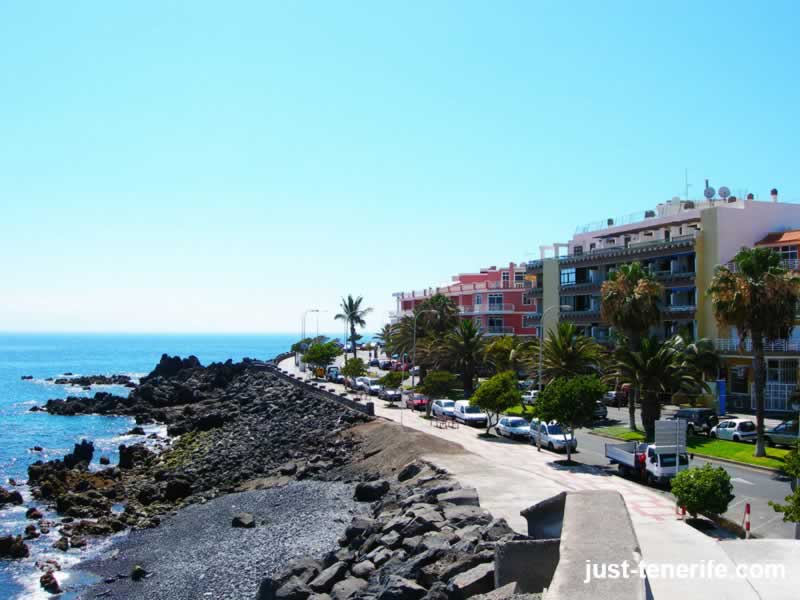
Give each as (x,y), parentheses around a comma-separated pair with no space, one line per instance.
(390,394)
(385,364)
(374,362)
(698,420)
(600,412)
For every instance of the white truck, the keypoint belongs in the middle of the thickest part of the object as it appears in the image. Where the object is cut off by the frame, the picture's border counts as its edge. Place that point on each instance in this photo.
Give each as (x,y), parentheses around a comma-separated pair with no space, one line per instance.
(652,463)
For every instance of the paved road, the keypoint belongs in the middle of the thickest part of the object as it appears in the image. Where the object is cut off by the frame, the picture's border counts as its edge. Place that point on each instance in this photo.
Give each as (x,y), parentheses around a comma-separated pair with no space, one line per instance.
(755,486)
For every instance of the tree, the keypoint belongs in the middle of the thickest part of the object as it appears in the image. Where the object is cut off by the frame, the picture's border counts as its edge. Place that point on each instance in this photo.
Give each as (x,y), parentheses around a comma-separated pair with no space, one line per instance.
(321,355)
(703,489)
(569,401)
(508,353)
(392,379)
(566,353)
(462,350)
(791,510)
(758,297)
(443,318)
(385,336)
(353,368)
(496,395)
(302,345)
(654,369)
(629,301)
(437,384)
(353,315)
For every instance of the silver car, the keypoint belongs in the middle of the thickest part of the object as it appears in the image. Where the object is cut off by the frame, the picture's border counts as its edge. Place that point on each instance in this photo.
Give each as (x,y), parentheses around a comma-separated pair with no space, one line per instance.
(443,408)
(513,427)
(784,434)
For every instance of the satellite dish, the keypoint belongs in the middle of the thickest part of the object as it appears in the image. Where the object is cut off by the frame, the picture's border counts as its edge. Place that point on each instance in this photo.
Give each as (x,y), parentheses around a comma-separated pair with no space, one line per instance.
(709,192)
(724,192)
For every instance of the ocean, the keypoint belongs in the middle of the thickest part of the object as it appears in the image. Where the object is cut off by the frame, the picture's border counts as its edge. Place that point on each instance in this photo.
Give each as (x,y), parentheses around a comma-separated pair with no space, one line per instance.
(50,355)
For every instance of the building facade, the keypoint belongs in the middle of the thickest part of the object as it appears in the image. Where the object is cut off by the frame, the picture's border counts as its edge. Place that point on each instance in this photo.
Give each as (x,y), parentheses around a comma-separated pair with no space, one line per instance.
(494,298)
(680,242)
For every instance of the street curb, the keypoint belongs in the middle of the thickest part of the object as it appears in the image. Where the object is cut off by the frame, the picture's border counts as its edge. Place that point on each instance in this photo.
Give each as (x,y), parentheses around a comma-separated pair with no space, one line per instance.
(706,457)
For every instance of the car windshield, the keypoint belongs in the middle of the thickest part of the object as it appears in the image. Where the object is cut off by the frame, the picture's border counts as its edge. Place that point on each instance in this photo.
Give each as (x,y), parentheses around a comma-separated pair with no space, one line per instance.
(472,409)
(447,403)
(554,429)
(668,460)
(517,422)
(373,381)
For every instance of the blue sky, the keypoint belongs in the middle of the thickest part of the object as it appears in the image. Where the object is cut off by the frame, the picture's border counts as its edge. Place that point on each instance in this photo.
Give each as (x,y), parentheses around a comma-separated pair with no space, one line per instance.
(171,166)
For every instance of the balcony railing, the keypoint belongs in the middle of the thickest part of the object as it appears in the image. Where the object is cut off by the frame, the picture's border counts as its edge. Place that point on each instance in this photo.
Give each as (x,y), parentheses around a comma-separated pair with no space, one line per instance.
(680,308)
(632,246)
(732,345)
(777,396)
(483,309)
(498,330)
(790,264)
(458,288)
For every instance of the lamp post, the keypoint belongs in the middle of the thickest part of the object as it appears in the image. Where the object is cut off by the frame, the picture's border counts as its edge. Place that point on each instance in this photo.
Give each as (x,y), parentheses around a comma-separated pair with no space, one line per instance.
(303,329)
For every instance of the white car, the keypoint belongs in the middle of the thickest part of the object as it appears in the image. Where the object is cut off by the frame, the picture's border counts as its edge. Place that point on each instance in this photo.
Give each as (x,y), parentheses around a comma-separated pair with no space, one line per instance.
(513,427)
(443,408)
(371,386)
(464,412)
(738,430)
(552,436)
(529,397)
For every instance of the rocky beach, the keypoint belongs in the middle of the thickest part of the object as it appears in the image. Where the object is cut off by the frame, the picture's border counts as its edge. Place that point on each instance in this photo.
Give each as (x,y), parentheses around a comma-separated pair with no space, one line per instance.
(256,472)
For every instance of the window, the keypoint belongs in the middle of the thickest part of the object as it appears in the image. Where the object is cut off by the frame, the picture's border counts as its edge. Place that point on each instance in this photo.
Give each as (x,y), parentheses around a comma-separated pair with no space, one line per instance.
(478,299)
(530,321)
(781,370)
(519,276)
(568,276)
(527,300)
(505,277)
(592,246)
(577,251)
(496,301)
(787,252)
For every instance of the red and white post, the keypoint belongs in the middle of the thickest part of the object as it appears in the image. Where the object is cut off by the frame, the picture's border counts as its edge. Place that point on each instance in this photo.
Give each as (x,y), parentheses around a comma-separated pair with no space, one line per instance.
(747,521)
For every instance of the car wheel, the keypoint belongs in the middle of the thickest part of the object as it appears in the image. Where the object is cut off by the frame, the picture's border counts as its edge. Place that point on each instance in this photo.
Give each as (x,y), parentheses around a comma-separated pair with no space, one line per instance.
(551,447)
(768,441)
(690,430)
(736,438)
(713,434)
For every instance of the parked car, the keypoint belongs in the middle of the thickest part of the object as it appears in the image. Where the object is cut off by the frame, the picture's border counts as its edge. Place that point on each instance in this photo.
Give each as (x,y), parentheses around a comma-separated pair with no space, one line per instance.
(552,436)
(360,384)
(600,412)
(649,462)
(385,364)
(513,427)
(417,401)
(443,407)
(374,362)
(389,394)
(334,375)
(617,398)
(371,386)
(698,420)
(529,398)
(738,430)
(464,412)
(400,366)
(784,434)
(525,384)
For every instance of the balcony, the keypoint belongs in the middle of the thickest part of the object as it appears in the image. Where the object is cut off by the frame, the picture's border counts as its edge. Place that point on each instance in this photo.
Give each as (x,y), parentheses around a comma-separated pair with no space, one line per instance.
(581,315)
(790,264)
(498,330)
(483,309)
(777,397)
(396,315)
(634,250)
(776,346)
(680,308)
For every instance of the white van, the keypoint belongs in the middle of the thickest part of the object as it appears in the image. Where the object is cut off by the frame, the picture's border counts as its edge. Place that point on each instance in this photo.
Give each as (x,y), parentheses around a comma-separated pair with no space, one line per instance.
(464,412)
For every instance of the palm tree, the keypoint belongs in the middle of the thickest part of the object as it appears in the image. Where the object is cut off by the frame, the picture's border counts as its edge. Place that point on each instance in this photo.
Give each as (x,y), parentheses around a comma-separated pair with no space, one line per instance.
(442,320)
(567,353)
(758,297)
(629,302)
(385,338)
(509,353)
(654,369)
(353,315)
(463,350)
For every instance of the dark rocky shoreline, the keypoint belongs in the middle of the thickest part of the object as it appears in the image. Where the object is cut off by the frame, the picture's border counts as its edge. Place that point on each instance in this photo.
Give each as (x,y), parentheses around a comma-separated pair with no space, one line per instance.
(247,434)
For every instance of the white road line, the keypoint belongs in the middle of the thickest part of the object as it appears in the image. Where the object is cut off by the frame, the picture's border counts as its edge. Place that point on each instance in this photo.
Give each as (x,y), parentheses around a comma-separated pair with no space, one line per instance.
(740,480)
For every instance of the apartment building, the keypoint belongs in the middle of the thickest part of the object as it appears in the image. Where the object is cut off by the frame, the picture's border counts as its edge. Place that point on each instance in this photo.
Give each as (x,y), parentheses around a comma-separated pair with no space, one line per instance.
(494,298)
(681,243)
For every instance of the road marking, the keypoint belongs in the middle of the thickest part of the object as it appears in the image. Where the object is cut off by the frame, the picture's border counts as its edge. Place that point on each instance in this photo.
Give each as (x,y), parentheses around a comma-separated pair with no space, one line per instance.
(740,480)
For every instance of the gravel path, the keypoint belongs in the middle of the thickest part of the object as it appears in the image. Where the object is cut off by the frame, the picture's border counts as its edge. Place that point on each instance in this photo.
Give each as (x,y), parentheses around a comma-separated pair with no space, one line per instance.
(196,554)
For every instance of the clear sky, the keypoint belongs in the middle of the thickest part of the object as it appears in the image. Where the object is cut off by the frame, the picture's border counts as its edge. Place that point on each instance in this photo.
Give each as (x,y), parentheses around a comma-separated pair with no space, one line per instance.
(221,166)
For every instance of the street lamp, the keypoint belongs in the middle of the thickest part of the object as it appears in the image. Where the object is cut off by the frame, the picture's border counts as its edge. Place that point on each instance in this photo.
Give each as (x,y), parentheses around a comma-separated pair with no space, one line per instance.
(303,331)
(414,344)
(541,336)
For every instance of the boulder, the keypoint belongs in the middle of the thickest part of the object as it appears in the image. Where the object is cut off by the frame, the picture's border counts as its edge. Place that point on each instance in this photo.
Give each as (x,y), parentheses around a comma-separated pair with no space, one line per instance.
(177,489)
(347,588)
(478,580)
(293,589)
(410,471)
(81,455)
(461,516)
(9,497)
(61,544)
(138,573)
(49,583)
(359,526)
(13,547)
(462,497)
(244,520)
(104,460)
(33,513)
(363,569)
(399,588)
(324,582)
(370,491)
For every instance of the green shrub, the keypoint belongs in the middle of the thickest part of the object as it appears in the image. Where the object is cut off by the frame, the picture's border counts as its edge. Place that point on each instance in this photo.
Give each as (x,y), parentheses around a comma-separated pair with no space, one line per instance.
(705,489)
(393,379)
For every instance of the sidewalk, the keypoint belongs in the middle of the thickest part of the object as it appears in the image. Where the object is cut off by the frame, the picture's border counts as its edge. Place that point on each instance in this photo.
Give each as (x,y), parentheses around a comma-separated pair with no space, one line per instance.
(511,476)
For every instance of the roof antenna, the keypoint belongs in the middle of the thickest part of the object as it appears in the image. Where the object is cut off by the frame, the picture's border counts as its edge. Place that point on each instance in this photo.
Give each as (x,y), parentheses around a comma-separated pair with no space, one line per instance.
(686,183)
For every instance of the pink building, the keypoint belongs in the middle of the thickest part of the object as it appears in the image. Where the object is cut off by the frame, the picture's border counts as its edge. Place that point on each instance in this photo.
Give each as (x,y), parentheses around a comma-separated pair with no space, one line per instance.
(495,299)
